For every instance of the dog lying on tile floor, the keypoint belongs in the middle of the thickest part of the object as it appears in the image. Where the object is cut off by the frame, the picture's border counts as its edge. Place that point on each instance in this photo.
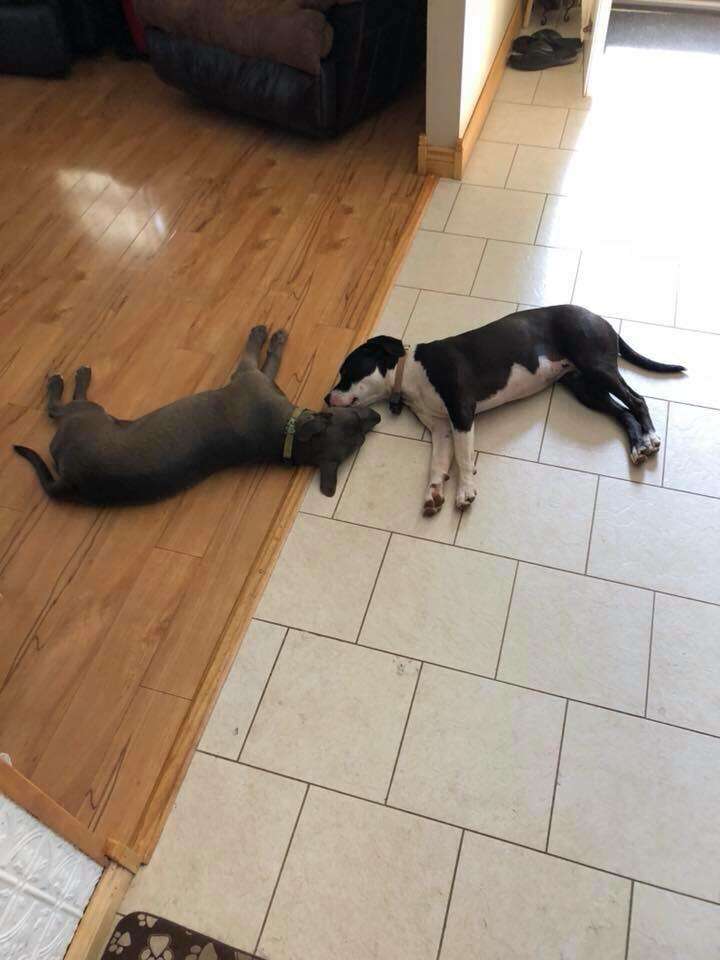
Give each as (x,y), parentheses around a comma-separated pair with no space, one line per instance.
(102,460)
(446,382)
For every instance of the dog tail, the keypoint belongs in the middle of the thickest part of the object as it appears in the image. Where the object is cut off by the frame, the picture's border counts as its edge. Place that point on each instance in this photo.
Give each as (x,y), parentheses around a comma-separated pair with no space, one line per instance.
(55,488)
(627,353)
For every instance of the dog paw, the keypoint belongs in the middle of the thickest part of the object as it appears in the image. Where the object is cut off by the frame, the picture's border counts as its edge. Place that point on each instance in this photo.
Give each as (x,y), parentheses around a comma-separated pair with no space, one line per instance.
(465,495)
(647,447)
(259,332)
(434,500)
(278,339)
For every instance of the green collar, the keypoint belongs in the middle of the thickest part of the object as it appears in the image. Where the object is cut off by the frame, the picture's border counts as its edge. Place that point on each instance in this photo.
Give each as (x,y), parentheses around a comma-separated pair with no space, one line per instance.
(290,428)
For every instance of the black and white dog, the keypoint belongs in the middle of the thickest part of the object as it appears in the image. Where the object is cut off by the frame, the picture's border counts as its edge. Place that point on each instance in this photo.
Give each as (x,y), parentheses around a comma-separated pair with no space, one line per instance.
(446,382)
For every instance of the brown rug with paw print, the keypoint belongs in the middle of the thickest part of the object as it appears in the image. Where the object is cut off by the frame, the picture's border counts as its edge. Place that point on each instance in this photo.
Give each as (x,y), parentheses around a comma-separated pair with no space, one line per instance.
(143,936)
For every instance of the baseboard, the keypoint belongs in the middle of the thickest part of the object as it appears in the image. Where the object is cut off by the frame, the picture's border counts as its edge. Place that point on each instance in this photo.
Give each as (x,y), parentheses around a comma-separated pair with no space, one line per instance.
(450,162)
(95,927)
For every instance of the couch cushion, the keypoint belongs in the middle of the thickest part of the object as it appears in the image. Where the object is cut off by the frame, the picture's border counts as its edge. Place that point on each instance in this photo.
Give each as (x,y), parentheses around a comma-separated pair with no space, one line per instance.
(292,32)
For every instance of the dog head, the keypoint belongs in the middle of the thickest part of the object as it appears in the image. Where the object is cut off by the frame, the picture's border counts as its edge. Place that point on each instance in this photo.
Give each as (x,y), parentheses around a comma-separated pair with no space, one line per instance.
(326,439)
(365,376)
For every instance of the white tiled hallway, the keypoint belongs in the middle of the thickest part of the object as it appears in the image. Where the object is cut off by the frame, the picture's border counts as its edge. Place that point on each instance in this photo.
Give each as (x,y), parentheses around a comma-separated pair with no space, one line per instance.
(497,735)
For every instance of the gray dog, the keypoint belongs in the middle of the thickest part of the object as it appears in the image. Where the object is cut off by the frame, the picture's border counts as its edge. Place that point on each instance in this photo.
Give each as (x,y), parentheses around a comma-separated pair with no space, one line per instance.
(102,460)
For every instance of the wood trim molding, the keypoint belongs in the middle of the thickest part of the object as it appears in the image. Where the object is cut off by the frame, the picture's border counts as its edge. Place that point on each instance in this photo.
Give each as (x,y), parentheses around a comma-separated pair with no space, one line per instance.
(93,931)
(21,791)
(173,772)
(450,162)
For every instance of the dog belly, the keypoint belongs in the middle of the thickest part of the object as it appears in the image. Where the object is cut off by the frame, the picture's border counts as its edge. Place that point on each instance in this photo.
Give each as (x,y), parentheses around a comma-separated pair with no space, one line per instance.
(524,383)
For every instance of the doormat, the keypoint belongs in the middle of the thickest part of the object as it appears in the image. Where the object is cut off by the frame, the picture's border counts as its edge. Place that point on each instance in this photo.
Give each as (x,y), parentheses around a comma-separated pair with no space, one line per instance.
(143,936)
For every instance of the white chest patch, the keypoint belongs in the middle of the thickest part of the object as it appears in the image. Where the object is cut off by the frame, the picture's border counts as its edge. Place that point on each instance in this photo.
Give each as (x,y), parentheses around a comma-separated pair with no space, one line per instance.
(523,383)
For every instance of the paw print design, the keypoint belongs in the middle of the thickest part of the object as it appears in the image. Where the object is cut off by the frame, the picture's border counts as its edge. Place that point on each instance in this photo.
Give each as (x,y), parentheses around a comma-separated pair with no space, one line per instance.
(158,948)
(208,952)
(145,920)
(119,941)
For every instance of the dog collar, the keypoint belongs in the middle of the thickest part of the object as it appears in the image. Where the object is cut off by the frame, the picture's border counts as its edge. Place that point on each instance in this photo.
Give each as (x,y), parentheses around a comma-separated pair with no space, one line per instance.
(289,433)
(396,400)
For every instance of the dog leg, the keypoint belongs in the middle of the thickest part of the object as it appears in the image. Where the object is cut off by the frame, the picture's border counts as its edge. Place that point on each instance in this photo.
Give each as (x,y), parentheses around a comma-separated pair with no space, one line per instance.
(274,354)
(54,392)
(598,399)
(250,359)
(464,444)
(442,454)
(612,382)
(82,382)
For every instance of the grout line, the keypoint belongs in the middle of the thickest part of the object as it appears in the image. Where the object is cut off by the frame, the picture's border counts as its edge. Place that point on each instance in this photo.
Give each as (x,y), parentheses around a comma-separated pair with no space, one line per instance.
(282,867)
(507,620)
(477,273)
(650,649)
(557,777)
(512,164)
(508,683)
(545,425)
(450,895)
(567,120)
(372,592)
(452,206)
(402,738)
(481,833)
(629,923)
(534,563)
(592,526)
(542,214)
(262,695)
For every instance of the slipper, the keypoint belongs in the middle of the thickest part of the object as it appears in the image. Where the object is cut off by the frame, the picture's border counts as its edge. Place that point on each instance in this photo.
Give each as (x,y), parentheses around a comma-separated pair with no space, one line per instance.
(556,41)
(540,55)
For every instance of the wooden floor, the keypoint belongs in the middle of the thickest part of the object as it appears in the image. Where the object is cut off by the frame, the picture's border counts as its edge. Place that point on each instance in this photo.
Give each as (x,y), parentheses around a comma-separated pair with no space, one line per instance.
(143,235)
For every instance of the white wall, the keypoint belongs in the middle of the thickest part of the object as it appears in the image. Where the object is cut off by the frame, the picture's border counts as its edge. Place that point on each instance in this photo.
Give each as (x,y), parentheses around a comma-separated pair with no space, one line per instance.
(463,38)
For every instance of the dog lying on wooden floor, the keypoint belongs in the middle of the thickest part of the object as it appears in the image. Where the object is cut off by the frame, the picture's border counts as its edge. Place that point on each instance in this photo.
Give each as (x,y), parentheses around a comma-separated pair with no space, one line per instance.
(447,382)
(102,460)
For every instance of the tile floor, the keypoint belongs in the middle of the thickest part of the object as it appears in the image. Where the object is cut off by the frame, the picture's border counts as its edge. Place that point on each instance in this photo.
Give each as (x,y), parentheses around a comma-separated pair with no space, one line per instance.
(497,736)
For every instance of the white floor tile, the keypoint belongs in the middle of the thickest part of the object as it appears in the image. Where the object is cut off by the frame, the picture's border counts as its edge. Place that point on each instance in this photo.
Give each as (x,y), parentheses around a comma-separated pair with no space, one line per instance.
(440,205)
(693,450)
(333,714)
(577,129)
(361,881)
(480,754)
(496,214)
(666,926)
(587,440)
(220,852)
(397,312)
(240,695)
(531,512)
(563,223)
(544,170)
(509,902)
(439,315)
(387,488)
(520,273)
(685,666)
(517,86)
(515,429)
(562,87)
(619,284)
(489,163)
(657,538)
(578,637)
(437,261)
(439,603)
(519,123)
(320,552)
(639,798)
(699,352)
(403,424)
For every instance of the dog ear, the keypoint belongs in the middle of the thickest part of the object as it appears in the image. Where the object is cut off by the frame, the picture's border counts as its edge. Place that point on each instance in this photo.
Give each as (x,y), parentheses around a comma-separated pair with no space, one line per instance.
(390,345)
(368,418)
(316,425)
(328,477)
